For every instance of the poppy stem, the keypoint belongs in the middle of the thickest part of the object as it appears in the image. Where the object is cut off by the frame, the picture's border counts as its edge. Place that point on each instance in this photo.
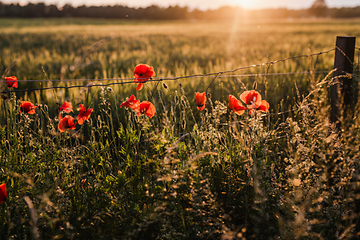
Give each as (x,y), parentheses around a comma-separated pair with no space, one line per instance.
(8,69)
(212,81)
(5,113)
(157,84)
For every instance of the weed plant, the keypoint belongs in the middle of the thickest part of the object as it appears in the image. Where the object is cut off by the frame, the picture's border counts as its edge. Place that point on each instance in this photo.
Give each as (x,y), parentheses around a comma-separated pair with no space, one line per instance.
(183,174)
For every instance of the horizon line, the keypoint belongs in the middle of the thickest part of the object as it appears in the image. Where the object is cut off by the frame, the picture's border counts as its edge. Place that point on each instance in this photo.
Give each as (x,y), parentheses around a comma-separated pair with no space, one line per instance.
(60,7)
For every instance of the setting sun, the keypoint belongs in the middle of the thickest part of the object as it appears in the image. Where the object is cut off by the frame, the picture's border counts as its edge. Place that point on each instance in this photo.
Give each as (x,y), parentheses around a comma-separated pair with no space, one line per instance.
(245,3)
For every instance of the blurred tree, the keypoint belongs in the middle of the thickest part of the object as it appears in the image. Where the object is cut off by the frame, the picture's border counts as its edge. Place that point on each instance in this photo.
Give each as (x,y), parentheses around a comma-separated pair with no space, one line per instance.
(52,11)
(40,9)
(319,4)
(319,9)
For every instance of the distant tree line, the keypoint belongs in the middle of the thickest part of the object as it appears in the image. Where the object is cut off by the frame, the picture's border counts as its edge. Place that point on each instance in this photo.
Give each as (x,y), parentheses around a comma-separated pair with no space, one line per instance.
(41,10)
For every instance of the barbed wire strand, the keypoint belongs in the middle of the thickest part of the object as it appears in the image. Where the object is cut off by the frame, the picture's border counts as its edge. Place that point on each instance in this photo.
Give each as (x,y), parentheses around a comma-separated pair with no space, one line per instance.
(155,80)
(172,78)
(343,53)
(189,76)
(163,78)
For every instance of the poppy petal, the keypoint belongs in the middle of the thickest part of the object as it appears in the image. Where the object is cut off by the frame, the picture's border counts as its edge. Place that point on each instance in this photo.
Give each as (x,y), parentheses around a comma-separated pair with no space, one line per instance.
(11,82)
(139,86)
(66,123)
(200,100)
(84,114)
(27,107)
(66,107)
(251,98)
(147,108)
(131,103)
(264,106)
(3,194)
(236,105)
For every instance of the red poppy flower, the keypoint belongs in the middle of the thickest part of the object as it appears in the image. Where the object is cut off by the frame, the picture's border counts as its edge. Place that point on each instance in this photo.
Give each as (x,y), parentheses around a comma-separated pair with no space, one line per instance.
(236,105)
(146,108)
(253,100)
(264,106)
(200,100)
(66,123)
(3,194)
(131,103)
(143,73)
(11,81)
(66,107)
(27,107)
(84,114)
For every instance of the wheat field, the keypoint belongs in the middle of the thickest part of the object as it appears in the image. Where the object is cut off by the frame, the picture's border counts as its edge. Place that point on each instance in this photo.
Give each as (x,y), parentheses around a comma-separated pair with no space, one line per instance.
(288,173)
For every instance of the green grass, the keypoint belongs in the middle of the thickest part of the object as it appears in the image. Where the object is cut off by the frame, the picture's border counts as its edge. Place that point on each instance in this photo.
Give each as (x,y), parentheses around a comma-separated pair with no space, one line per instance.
(183,174)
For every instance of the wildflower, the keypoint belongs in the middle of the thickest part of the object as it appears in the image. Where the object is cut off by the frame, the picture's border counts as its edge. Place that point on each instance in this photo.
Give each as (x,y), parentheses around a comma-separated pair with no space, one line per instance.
(253,100)
(146,108)
(200,100)
(66,107)
(66,123)
(84,114)
(27,107)
(236,105)
(3,194)
(11,82)
(131,103)
(143,73)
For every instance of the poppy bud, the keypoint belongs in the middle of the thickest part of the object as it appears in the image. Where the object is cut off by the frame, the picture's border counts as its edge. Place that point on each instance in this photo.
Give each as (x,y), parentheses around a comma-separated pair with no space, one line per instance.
(7,145)
(176,99)
(255,85)
(183,123)
(183,102)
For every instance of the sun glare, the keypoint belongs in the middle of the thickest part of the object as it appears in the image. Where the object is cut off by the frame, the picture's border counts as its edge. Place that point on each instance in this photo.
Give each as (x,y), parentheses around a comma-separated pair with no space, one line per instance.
(244,3)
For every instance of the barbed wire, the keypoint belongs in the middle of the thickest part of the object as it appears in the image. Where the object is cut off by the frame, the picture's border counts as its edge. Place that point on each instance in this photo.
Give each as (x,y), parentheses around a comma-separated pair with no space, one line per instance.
(131,80)
(156,80)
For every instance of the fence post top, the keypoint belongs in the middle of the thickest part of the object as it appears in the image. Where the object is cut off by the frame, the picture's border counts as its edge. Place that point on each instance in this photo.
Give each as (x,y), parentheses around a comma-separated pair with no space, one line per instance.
(345,37)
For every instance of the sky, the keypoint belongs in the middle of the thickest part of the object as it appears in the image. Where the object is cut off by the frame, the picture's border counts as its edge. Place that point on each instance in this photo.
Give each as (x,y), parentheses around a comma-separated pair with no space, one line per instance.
(199,4)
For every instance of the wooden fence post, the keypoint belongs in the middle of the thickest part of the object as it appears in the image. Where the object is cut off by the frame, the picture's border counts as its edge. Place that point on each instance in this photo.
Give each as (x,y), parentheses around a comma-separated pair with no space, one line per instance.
(341,98)
(344,58)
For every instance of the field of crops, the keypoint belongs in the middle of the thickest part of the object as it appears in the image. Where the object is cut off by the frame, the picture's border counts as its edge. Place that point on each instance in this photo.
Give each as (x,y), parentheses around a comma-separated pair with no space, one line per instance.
(181,173)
